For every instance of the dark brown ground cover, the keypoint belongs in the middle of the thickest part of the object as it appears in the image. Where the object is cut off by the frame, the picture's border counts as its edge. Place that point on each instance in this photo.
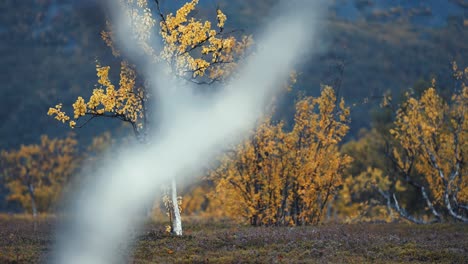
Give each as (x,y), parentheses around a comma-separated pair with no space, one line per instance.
(226,242)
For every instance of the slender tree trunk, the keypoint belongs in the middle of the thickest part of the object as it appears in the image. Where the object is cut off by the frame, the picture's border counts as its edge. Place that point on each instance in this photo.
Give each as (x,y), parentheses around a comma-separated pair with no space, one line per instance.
(176,221)
(330,209)
(33,200)
(33,205)
(450,209)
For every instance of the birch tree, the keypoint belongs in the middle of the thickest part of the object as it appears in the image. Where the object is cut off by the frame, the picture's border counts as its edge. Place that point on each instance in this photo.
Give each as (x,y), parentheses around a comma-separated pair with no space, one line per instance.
(36,174)
(430,140)
(195,51)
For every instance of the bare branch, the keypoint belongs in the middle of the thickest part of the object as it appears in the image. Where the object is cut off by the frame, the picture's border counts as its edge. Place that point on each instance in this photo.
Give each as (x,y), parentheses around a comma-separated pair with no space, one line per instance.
(393,203)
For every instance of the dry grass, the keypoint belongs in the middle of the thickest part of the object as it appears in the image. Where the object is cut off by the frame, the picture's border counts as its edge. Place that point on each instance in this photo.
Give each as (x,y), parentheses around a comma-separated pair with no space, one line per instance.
(226,242)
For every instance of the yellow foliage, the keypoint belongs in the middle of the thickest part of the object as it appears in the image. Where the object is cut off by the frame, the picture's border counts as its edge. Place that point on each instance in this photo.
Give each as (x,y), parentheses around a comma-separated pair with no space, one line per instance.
(434,133)
(57,112)
(431,135)
(192,48)
(221,18)
(126,102)
(196,200)
(183,36)
(425,153)
(36,174)
(352,203)
(287,178)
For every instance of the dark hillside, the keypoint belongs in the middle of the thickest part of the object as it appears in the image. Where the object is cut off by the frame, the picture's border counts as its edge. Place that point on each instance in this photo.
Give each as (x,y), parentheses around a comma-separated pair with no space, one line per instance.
(47,55)
(48,51)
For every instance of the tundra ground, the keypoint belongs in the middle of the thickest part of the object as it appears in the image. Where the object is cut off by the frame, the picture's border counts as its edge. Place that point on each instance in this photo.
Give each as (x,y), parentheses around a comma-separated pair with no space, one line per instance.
(226,242)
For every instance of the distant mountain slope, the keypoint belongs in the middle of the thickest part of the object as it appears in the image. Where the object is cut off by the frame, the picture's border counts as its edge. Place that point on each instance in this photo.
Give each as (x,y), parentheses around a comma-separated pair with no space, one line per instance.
(48,49)
(421,12)
(47,53)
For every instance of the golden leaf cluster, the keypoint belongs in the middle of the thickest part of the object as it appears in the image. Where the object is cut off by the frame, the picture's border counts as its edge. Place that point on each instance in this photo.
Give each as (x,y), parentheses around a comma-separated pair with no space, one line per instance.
(36,174)
(432,135)
(186,36)
(422,153)
(287,178)
(125,102)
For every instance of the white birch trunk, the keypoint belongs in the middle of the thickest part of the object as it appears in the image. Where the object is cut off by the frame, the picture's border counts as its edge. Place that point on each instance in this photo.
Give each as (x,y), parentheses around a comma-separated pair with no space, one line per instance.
(33,200)
(33,205)
(176,221)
